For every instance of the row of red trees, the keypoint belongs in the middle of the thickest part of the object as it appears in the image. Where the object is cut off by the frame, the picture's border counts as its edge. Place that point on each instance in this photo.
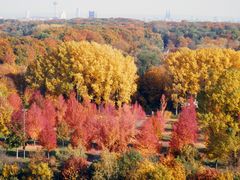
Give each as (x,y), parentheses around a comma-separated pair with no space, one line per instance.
(83,124)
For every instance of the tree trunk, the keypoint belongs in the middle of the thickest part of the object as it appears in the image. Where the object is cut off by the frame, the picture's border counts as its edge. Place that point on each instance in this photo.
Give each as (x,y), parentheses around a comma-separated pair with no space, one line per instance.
(17,154)
(63,143)
(176,113)
(24,151)
(34,142)
(48,154)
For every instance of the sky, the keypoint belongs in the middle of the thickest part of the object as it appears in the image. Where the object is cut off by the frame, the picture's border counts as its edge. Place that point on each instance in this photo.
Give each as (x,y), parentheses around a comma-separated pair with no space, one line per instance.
(123,8)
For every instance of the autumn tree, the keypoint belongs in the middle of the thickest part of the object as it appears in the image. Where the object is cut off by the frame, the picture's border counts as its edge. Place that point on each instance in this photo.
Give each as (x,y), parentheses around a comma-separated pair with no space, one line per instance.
(6,107)
(34,121)
(16,137)
(47,137)
(49,112)
(225,95)
(5,116)
(63,129)
(113,129)
(185,130)
(149,134)
(15,101)
(61,108)
(195,71)
(6,52)
(96,71)
(152,86)
(223,137)
(221,118)
(76,117)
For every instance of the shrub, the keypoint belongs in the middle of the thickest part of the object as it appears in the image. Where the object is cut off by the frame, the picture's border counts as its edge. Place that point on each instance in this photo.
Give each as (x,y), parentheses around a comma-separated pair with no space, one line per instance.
(40,170)
(189,157)
(178,169)
(207,173)
(168,115)
(75,168)
(107,167)
(150,170)
(127,163)
(10,171)
(66,153)
(149,134)
(226,176)
(237,175)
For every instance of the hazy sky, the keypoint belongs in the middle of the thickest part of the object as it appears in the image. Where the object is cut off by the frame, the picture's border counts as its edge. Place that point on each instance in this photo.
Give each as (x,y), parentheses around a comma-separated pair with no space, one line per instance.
(123,8)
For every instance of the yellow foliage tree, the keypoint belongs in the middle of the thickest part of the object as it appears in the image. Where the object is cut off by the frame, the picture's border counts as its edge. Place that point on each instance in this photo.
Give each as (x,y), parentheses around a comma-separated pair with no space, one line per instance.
(5,108)
(40,171)
(98,72)
(10,171)
(150,170)
(223,141)
(225,96)
(192,71)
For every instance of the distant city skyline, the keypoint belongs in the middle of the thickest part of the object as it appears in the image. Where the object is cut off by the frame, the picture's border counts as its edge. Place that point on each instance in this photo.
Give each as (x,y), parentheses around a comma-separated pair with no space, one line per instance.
(144,9)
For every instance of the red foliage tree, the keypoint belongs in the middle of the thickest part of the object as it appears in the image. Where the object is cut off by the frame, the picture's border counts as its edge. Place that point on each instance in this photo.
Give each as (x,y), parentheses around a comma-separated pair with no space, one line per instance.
(34,121)
(36,97)
(49,112)
(76,117)
(48,137)
(15,101)
(75,168)
(138,112)
(149,134)
(112,129)
(185,130)
(61,108)
(74,114)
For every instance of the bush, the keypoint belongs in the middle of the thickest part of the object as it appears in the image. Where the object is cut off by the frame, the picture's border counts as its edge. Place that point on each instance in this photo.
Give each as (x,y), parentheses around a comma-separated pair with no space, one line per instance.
(10,171)
(237,175)
(168,115)
(189,157)
(66,153)
(178,169)
(207,173)
(127,163)
(75,168)
(40,171)
(107,167)
(150,170)
(228,175)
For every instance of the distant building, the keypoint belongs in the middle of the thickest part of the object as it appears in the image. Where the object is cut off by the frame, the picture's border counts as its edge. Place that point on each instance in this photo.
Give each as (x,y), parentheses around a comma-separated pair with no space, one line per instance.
(63,15)
(77,13)
(91,14)
(55,4)
(167,16)
(28,14)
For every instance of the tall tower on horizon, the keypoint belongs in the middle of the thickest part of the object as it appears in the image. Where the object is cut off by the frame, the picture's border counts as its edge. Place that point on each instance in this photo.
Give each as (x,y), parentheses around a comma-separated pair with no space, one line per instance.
(28,14)
(55,4)
(63,15)
(167,15)
(77,13)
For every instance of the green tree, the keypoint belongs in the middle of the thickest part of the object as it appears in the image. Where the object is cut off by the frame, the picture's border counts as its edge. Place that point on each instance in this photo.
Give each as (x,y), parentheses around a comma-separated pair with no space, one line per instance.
(147,59)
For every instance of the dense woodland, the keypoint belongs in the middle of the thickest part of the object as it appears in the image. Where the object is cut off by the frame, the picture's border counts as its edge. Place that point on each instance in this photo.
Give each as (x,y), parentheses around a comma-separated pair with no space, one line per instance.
(119,99)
